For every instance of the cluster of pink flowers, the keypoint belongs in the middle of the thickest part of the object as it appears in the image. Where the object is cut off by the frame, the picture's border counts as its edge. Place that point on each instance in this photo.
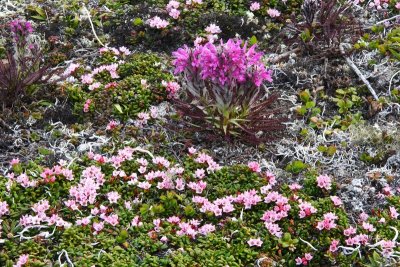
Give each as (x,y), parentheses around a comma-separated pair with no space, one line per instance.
(49,175)
(144,117)
(86,191)
(280,211)
(228,64)
(22,260)
(22,179)
(112,125)
(306,209)
(254,166)
(172,88)
(273,13)
(387,247)
(4,208)
(158,173)
(121,51)
(192,228)
(20,29)
(336,200)
(334,245)
(328,222)
(40,209)
(204,158)
(248,199)
(172,9)
(86,106)
(379,4)
(111,68)
(255,242)
(157,22)
(324,182)
(255,6)
(304,260)
(71,69)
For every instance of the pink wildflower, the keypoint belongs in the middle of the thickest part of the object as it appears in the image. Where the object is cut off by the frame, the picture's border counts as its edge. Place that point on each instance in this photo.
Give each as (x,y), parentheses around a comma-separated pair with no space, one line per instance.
(255,242)
(98,226)
(328,222)
(14,161)
(113,197)
(324,181)
(87,105)
(336,201)
(4,208)
(22,260)
(334,245)
(213,29)
(254,166)
(273,13)
(393,213)
(350,231)
(112,125)
(255,6)
(295,187)
(157,22)
(306,209)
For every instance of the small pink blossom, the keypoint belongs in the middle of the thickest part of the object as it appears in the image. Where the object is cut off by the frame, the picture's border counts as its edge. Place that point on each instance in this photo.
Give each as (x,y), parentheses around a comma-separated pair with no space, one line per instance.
(336,201)
(87,105)
(273,13)
(213,29)
(295,187)
(324,181)
(393,213)
(94,86)
(157,22)
(144,185)
(334,245)
(255,242)
(22,260)
(306,209)
(113,197)
(174,13)
(255,6)
(112,125)
(350,231)
(192,150)
(4,209)
(87,79)
(328,222)
(254,166)
(369,227)
(98,226)
(14,161)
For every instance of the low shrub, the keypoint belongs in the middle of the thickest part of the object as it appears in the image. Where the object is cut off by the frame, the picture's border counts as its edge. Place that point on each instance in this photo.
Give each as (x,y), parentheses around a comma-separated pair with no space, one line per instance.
(22,67)
(121,86)
(134,208)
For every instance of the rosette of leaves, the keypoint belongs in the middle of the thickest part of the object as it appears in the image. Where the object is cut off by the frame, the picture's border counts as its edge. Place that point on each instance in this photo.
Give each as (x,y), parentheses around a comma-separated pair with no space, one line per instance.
(222,91)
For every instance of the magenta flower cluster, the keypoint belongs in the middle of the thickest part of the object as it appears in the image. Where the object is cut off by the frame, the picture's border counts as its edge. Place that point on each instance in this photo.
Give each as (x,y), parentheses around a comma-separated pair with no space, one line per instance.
(20,29)
(227,64)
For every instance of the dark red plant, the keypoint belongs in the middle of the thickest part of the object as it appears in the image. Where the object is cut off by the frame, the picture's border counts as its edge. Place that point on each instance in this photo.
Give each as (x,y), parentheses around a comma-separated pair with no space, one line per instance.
(325,24)
(22,67)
